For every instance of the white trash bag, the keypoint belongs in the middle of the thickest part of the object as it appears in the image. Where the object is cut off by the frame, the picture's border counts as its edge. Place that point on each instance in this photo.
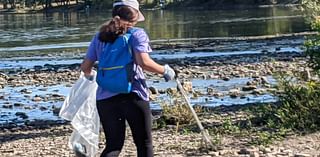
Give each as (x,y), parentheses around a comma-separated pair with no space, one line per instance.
(80,108)
(82,92)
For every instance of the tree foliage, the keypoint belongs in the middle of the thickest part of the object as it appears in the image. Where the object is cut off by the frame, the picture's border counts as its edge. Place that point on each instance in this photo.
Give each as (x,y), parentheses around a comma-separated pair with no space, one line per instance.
(300,106)
(312,10)
(14,4)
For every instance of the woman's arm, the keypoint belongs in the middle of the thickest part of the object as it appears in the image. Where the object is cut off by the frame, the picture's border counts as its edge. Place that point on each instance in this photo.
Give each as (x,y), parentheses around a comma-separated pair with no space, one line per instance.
(86,66)
(143,59)
(91,56)
(141,49)
(146,63)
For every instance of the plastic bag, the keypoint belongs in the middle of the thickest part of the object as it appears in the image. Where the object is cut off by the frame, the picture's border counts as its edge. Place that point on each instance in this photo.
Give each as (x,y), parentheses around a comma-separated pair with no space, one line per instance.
(80,108)
(82,92)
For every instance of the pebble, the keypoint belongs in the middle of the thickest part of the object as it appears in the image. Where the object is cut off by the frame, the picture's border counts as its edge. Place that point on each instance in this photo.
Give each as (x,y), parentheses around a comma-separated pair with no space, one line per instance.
(7,106)
(302,155)
(214,153)
(226,79)
(3,81)
(249,88)
(265,150)
(43,89)
(26,91)
(172,91)
(187,86)
(43,108)
(234,93)
(18,104)
(259,91)
(56,110)
(264,80)
(37,98)
(27,107)
(153,90)
(22,115)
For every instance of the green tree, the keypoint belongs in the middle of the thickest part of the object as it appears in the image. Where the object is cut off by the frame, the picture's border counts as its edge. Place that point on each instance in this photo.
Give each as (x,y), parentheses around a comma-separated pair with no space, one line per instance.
(312,10)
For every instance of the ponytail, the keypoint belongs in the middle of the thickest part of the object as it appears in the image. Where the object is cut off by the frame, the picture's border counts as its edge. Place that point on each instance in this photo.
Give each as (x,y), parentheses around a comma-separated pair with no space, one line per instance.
(123,17)
(110,30)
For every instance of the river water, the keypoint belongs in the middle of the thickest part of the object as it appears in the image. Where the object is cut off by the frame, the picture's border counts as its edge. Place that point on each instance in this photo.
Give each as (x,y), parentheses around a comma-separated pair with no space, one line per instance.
(75,29)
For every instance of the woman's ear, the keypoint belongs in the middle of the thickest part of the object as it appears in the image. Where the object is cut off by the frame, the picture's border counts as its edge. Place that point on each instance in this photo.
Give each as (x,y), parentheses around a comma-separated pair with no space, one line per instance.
(115,24)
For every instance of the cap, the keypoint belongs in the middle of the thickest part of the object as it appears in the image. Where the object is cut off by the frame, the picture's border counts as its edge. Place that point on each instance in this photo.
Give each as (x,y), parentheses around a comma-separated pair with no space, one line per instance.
(131,3)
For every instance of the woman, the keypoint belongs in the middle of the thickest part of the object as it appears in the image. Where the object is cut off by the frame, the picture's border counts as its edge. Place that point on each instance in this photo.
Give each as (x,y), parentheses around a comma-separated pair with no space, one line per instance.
(114,108)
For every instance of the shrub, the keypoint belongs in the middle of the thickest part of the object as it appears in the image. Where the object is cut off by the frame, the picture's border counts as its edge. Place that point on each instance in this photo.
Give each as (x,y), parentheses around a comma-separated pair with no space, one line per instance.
(176,112)
(300,98)
(300,105)
(313,48)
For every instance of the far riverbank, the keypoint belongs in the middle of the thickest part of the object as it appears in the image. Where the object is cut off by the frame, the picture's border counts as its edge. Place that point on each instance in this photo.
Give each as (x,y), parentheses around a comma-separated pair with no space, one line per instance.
(71,5)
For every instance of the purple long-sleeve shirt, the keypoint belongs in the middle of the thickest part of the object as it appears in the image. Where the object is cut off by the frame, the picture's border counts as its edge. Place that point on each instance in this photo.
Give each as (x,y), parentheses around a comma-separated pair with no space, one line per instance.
(139,42)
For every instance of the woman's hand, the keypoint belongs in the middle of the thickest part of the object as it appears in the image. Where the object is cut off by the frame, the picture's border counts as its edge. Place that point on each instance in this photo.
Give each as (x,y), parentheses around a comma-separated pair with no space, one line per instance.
(86,67)
(169,73)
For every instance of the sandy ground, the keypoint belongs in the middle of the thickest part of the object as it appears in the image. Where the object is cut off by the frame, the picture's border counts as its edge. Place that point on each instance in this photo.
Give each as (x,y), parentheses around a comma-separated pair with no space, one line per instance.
(53,142)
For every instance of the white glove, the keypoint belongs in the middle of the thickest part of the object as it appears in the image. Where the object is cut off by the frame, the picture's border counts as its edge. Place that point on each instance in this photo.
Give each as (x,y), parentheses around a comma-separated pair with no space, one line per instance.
(169,73)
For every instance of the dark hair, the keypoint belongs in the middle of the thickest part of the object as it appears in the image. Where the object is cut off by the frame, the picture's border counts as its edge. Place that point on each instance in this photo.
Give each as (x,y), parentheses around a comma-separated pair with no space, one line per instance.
(123,17)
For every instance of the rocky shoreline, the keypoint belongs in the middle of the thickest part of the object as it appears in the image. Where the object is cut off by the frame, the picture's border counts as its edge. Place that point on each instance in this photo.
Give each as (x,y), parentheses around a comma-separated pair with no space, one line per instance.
(49,138)
(53,142)
(27,83)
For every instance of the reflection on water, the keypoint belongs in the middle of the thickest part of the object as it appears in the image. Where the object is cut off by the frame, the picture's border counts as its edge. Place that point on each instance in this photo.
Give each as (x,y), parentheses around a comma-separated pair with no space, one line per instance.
(225,23)
(72,27)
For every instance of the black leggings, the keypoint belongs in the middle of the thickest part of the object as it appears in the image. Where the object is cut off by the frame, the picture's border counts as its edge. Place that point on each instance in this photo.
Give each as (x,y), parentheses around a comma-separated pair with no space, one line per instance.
(114,111)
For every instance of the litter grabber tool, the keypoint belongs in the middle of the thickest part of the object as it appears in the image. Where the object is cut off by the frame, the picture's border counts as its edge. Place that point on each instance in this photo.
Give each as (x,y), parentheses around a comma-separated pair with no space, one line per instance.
(204,132)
